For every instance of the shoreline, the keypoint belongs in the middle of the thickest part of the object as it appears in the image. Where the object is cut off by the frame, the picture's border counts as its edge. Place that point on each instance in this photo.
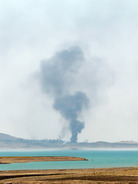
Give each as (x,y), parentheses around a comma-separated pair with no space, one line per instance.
(26,159)
(124,175)
(113,175)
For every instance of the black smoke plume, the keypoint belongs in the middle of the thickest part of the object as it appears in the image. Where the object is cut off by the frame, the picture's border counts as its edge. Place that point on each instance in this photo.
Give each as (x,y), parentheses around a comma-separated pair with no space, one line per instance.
(56,76)
(69,107)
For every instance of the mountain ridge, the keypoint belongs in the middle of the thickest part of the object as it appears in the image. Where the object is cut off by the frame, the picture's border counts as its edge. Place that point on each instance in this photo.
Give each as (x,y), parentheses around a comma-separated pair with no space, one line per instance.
(9,142)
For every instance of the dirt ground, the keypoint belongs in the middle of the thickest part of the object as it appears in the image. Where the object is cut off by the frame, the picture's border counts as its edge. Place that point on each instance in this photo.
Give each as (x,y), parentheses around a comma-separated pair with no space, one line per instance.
(74,176)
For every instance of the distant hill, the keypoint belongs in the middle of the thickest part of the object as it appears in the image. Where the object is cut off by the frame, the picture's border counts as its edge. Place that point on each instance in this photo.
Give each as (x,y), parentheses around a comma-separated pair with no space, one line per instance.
(10,142)
(4,137)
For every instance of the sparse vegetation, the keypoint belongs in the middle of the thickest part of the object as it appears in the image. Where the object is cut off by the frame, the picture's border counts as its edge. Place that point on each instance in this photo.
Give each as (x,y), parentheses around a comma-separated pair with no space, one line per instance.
(75,176)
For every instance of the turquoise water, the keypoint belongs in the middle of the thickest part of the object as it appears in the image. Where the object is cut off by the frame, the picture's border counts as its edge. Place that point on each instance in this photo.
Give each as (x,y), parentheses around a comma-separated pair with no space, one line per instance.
(96,159)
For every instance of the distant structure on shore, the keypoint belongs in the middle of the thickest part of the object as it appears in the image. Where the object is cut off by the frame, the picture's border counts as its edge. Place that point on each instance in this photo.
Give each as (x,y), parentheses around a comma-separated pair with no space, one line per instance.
(11,142)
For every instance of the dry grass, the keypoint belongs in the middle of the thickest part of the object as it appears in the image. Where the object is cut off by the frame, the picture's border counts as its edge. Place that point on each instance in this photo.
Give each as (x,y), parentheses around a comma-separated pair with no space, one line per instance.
(74,176)
(9,160)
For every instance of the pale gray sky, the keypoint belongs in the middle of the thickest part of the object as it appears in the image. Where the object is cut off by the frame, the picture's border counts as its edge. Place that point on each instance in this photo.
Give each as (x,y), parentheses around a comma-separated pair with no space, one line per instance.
(32,32)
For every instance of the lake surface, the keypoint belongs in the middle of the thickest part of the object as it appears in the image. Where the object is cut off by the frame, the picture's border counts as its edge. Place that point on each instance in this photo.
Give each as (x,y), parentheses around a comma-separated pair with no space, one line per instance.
(96,159)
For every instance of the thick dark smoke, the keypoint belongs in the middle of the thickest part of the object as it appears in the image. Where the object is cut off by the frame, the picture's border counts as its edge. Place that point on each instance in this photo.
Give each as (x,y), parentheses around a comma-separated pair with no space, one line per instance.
(56,73)
(69,107)
(56,77)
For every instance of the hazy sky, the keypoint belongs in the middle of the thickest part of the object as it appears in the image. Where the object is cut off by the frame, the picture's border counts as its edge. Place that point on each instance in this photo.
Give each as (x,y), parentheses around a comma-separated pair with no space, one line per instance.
(36,36)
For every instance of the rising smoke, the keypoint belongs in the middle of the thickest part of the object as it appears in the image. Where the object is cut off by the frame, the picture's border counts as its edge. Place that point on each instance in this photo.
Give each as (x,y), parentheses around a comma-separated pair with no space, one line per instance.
(69,107)
(56,77)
